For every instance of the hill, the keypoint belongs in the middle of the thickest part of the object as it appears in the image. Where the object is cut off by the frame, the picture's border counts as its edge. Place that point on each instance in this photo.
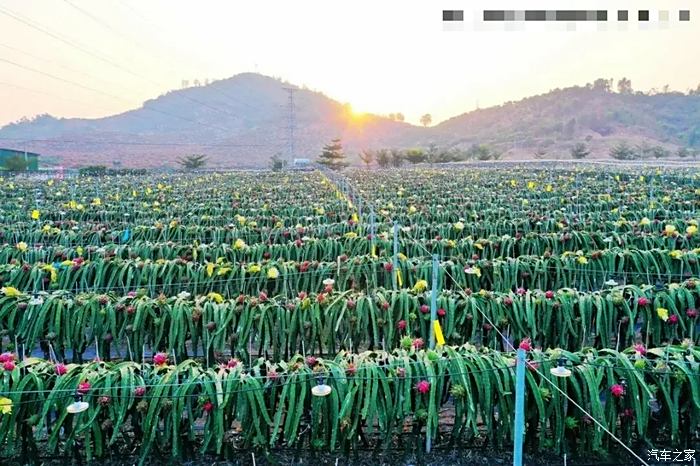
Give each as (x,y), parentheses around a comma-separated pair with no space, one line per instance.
(243,120)
(554,121)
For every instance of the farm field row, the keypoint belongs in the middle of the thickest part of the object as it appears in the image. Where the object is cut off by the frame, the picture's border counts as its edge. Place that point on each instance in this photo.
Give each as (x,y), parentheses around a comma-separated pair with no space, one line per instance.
(203,311)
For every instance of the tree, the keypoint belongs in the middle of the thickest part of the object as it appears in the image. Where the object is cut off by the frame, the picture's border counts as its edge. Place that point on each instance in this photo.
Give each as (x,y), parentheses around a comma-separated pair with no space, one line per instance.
(193,162)
(449,155)
(367,157)
(623,152)
(431,154)
(683,152)
(93,170)
(415,156)
(482,152)
(400,117)
(659,152)
(426,120)
(579,151)
(601,84)
(624,86)
(396,157)
(277,163)
(332,155)
(16,163)
(383,158)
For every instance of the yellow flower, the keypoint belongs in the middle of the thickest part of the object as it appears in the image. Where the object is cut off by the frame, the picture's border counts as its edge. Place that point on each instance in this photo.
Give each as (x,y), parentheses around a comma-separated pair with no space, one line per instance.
(223,271)
(254,268)
(351,234)
(273,273)
(10,291)
(451,243)
(412,210)
(401,256)
(5,405)
(459,226)
(54,274)
(210,269)
(239,244)
(79,250)
(173,223)
(513,183)
(531,185)
(420,286)
(582,260)
(241,219)
(473,271)
(22,246)
(691,230)
(35,214)
(662,313)
(216,297)
(676,254)
(670,230)
(548,188)
(479,246)
(97,201)
(644,222)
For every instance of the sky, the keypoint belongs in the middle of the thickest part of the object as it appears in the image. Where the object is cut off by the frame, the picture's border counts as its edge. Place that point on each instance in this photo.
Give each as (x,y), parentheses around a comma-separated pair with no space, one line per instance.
(92,58)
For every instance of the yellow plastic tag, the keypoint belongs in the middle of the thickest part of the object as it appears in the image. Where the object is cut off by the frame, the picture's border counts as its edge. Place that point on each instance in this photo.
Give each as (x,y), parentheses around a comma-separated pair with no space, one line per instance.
(439,338)
(398,277)
(374,250)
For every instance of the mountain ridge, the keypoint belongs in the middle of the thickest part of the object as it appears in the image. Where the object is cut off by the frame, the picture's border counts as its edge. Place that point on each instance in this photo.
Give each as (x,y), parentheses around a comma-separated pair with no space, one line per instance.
(244,120)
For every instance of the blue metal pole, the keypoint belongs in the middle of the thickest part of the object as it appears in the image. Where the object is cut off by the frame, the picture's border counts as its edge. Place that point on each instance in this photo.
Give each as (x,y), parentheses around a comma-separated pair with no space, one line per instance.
(433,301)
(519,429)
(395,260)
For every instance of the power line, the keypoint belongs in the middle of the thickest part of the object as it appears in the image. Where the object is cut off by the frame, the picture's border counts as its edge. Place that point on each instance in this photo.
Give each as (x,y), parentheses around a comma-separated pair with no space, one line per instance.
(91,89)
(133,143)
(80,47)
(69,69)
(36,91)
(141,46)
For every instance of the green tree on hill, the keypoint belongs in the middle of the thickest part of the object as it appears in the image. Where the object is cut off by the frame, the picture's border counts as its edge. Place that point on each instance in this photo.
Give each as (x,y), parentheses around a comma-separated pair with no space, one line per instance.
(332,155)
(367,156)
(623,152)
(579,151)
(277,163)
(193,162)
(383,158)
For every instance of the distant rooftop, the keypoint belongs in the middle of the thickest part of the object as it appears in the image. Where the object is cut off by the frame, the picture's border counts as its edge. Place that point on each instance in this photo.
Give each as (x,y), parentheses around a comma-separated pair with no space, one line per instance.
(17,151)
